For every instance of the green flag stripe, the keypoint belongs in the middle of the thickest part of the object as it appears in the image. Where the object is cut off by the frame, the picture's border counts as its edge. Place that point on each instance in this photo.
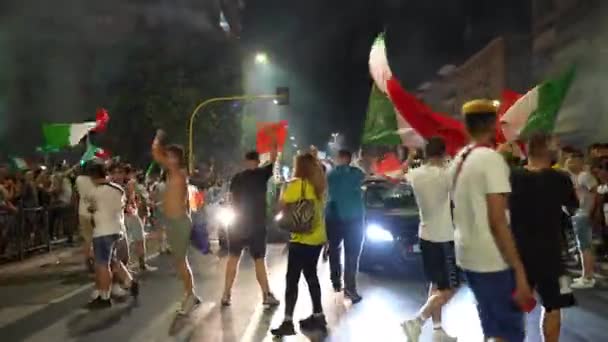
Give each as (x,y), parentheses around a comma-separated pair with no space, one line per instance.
(56,135)
(551,96)
(381,123)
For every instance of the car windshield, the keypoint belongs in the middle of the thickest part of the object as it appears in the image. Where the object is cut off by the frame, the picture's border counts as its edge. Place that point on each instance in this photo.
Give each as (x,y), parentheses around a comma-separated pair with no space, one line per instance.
(389,196)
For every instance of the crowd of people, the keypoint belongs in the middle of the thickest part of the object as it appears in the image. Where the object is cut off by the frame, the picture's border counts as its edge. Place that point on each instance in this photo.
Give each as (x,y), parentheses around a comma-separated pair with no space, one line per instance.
(500,218)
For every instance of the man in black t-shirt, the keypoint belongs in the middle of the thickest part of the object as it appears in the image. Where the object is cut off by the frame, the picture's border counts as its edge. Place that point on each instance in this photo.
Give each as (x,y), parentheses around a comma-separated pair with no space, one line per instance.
(538,195)
(248,193)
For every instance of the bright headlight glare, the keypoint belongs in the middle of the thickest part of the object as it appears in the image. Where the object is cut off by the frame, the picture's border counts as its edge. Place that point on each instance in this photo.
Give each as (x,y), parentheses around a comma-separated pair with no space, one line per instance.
(278,216)
(376,232)
(226,216)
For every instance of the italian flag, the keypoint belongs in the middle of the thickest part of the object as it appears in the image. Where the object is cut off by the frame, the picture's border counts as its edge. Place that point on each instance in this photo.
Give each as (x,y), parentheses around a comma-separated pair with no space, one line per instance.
(268,134)
(538,109)
(63,135)
(396,117)
(389,166)
(385,126)
(93,152)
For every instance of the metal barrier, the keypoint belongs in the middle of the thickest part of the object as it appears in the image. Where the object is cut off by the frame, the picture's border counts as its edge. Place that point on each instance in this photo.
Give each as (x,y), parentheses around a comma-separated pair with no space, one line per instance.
(33,230)
(9,235)
(27,230)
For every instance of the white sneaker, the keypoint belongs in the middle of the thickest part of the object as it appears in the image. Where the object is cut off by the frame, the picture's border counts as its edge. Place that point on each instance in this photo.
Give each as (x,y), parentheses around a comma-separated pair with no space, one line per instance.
(94,294)
(439,335)
(118,291)
(412,329)
(583,283)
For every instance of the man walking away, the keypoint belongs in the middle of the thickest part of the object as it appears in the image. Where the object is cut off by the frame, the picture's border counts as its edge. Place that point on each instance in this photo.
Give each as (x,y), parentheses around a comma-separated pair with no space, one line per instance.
(106,203)
(585,185)
(344,217)
(431,184)
(485,248)
(175,213)
(248,192)
(538,195)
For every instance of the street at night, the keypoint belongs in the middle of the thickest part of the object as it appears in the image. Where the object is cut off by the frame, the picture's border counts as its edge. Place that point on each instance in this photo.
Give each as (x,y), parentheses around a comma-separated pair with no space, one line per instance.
(317,170)
(53,309)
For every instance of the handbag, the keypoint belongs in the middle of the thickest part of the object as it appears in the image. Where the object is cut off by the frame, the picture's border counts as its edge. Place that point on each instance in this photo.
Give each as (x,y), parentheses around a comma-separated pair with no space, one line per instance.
(297,217)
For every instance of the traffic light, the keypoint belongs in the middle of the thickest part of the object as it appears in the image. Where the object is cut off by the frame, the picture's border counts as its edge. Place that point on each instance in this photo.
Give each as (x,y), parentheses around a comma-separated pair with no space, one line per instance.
(282,94)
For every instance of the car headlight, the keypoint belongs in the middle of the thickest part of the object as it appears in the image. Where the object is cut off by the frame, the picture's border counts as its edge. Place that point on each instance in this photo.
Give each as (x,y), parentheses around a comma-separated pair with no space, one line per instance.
(226,216)
(376,232)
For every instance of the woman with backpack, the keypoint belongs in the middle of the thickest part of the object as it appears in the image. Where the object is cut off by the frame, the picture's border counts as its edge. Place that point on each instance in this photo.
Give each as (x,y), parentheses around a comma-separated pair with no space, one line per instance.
(301,212)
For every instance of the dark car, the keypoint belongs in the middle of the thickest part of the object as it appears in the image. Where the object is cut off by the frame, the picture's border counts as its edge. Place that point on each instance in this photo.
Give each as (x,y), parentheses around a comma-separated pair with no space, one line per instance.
(391,227)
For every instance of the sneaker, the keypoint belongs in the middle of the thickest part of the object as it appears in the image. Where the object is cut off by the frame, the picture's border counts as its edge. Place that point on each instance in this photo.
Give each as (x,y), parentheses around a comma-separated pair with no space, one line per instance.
(285,329)
(412,329)
(94,294)
(188,304)
(439,335)
(353,296)
(226,300)
(98,304)
(134,289)
(270,300)
(583,283)
(147,268)
(314,322)
(118,291)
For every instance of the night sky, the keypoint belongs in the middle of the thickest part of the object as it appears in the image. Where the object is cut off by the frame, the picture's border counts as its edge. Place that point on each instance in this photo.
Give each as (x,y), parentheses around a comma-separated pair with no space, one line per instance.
(325,46)
(320,46)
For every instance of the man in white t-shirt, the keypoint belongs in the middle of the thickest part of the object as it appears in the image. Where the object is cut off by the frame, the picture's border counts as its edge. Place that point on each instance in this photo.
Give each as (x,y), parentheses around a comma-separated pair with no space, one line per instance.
(106,203)
(432,185)
(84,186)
(585,185)
(485,247)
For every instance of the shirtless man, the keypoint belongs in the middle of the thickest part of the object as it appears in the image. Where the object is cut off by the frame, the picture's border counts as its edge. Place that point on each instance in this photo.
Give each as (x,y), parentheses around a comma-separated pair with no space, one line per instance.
(175,207)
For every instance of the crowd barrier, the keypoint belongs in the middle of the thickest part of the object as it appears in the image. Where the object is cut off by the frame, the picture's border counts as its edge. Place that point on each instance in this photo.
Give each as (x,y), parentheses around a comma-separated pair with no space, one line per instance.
(27,231)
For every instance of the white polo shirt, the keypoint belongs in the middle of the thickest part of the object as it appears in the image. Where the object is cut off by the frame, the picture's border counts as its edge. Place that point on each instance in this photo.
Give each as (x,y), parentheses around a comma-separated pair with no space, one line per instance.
(432,187)
(483,172)
(109,217)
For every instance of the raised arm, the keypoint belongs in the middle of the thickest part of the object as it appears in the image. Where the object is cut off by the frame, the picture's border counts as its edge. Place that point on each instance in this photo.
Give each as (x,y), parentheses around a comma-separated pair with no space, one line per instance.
(158,150)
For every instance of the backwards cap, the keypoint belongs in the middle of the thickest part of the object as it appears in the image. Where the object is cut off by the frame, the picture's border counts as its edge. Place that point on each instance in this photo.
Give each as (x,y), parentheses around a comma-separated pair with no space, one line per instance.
(480,106)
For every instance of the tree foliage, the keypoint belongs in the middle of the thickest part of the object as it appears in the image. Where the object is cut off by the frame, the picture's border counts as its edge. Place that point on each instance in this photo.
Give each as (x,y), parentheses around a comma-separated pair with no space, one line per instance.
(163,80)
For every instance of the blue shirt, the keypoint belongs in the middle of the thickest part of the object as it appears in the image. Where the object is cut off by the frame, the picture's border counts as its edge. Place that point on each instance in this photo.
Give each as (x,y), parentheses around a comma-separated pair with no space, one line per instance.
(345,194)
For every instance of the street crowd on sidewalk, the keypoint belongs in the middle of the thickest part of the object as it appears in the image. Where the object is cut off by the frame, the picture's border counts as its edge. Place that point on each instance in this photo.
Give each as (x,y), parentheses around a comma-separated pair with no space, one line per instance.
(500,218)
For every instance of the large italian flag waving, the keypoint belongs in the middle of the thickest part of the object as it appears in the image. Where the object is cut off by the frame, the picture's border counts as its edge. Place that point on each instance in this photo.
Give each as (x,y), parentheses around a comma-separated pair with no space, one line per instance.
(397,117)
(538,109)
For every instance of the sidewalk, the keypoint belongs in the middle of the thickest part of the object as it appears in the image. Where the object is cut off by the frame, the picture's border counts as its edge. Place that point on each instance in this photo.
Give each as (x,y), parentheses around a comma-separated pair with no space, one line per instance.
(58,257)
(60,261)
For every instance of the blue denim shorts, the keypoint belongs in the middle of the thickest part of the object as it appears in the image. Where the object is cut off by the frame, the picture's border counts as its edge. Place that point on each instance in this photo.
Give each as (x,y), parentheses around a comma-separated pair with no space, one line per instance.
(104,248)
(583,230)
(499,315)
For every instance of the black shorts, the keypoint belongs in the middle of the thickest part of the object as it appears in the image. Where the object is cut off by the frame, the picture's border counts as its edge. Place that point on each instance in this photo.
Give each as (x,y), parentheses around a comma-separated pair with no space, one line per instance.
(439,262)
(553,294)
(253,238)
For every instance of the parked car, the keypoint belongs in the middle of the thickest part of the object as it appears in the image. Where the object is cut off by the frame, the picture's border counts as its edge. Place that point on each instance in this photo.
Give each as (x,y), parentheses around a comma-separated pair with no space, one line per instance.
(391,227)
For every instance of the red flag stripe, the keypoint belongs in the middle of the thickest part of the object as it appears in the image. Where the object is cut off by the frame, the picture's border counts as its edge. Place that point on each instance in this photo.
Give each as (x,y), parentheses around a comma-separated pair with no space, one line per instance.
(426,122)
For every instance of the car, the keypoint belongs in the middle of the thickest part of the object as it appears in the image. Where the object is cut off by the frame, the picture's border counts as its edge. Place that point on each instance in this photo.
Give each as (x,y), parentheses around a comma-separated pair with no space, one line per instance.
(391,227)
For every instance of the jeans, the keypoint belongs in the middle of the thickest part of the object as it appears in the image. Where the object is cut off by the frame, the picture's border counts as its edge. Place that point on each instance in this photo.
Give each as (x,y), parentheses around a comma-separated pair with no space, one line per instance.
(302,259)
(351,233)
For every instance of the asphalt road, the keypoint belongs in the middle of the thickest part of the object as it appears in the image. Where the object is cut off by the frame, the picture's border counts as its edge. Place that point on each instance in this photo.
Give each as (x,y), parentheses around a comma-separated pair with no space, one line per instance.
(47,306)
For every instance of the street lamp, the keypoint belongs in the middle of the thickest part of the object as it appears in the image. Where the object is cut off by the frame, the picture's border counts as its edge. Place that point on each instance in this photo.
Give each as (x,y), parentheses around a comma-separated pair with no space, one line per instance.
(261,58)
